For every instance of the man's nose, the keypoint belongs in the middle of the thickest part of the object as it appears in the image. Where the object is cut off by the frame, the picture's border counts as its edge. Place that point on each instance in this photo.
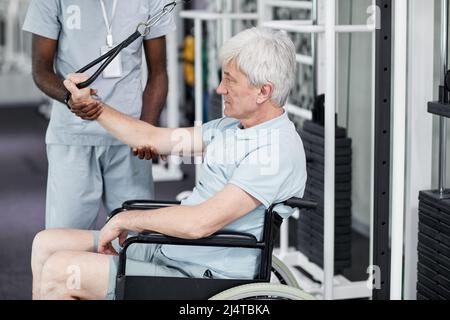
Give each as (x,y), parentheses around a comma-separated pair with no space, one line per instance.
(221,89)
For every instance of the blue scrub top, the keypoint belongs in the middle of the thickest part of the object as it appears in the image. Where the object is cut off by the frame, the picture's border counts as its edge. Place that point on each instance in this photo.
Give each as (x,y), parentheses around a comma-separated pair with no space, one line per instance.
(79,27)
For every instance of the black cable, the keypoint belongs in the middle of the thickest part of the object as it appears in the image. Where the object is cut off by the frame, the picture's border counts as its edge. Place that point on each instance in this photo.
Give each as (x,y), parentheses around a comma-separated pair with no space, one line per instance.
(110,55)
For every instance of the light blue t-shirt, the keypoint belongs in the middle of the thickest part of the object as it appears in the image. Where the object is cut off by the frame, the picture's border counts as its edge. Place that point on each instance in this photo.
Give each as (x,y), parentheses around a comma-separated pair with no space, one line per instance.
(80,29)
(268,162)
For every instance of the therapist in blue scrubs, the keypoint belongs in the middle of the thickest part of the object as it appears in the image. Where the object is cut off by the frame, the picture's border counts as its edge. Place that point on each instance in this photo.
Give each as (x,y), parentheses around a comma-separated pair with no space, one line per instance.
(252,158)
(87,166)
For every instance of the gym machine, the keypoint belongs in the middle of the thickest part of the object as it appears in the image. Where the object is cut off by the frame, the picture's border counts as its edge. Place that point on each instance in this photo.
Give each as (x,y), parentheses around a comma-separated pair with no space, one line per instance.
(434,206)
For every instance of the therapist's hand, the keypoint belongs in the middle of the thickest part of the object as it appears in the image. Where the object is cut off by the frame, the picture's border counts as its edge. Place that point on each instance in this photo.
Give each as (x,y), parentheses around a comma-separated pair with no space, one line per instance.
(82,102)
(147,153)
(87,110)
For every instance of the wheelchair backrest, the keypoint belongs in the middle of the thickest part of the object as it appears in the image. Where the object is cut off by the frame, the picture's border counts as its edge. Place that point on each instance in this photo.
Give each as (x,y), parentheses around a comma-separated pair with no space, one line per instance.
(272,224)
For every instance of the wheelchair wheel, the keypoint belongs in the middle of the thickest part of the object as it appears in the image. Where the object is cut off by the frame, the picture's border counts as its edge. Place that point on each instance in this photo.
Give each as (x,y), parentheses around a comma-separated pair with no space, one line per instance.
(262,291)
(282,273)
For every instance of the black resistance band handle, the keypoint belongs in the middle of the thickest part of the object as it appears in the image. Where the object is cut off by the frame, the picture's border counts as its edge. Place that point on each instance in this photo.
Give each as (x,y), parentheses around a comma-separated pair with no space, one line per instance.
(109,56)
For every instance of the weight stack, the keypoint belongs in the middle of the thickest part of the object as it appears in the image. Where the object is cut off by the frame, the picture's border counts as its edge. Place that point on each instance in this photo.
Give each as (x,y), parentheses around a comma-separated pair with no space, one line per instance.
(433,267)
(310,226)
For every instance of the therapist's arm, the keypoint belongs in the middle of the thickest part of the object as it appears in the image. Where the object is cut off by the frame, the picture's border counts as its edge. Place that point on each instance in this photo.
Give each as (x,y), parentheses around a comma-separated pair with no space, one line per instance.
(43,55)
(155,92)
(137,133)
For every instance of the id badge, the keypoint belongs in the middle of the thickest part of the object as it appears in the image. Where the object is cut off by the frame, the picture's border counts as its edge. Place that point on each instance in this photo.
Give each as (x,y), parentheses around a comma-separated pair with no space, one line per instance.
(114,69)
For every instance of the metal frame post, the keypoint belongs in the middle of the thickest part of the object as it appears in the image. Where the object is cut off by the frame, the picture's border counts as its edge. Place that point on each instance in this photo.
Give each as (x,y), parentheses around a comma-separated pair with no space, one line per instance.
(330,128)
(419,129)
(381,258)
(398,147)
(314,44)
(443,120)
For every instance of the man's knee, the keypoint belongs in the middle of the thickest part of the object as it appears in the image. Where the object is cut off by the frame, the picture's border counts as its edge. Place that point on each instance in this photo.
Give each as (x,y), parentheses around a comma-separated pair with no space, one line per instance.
(64,271)
(42,240)
(55,273)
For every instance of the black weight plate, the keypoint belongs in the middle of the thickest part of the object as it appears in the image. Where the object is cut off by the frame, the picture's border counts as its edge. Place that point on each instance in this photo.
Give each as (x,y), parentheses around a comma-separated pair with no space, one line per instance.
(319,130)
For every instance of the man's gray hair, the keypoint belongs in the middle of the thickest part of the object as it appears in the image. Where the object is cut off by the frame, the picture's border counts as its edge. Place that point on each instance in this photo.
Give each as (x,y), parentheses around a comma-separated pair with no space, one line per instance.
(264,56)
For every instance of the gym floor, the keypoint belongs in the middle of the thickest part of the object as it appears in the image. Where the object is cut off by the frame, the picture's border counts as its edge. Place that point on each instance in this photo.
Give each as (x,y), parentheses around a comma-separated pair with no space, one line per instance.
(23,174)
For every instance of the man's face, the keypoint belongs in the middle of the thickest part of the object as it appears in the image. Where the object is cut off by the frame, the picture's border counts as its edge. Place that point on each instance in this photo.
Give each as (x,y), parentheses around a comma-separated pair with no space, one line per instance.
(239,96)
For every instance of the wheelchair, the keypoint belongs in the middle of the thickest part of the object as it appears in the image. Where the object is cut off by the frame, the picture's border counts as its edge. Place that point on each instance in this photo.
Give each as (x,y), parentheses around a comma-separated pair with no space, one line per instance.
(130,287)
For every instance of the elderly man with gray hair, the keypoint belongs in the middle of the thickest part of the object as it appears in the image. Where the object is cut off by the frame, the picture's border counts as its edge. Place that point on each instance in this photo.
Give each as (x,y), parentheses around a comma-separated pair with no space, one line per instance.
(252,158)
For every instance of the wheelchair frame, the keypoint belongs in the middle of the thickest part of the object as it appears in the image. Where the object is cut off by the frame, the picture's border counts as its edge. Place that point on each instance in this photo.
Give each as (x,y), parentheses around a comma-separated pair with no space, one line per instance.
(162,288)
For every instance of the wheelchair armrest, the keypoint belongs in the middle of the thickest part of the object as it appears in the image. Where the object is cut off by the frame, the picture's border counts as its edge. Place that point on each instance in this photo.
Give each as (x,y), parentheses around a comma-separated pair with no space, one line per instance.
(219,239)
(300,203)
(115,212)
(142,205)
(148,204)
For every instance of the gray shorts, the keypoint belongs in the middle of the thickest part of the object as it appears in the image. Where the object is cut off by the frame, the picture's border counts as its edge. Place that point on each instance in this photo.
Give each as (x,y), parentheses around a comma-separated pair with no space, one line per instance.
(81,178)
(148,260)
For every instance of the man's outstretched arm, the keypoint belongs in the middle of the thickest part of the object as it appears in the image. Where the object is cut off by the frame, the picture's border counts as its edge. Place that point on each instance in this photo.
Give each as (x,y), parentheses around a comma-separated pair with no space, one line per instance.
(137,133)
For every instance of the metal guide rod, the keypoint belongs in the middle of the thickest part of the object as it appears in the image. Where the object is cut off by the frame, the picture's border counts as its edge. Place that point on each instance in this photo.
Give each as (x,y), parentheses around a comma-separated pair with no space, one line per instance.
(314,44)
(443,120)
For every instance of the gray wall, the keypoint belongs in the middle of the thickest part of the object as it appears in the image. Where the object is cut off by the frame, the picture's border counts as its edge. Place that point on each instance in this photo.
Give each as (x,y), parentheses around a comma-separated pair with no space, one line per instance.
(17,89)
(354,87)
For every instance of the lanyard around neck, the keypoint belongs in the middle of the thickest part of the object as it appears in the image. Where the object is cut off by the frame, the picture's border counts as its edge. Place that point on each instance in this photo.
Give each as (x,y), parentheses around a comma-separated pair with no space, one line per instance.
(142,30)
(108,24)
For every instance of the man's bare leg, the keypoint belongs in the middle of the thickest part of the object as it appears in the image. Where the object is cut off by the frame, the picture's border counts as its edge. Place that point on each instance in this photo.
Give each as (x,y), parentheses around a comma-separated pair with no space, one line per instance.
(75,275)
(47,242)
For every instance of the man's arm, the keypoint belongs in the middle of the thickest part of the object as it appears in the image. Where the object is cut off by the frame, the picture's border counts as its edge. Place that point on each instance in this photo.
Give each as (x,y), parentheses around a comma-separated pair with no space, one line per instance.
(155,92)
(188,222)
(137,133)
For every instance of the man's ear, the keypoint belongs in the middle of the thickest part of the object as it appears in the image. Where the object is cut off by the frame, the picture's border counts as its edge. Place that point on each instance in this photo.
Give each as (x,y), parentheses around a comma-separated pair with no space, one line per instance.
(265,93)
